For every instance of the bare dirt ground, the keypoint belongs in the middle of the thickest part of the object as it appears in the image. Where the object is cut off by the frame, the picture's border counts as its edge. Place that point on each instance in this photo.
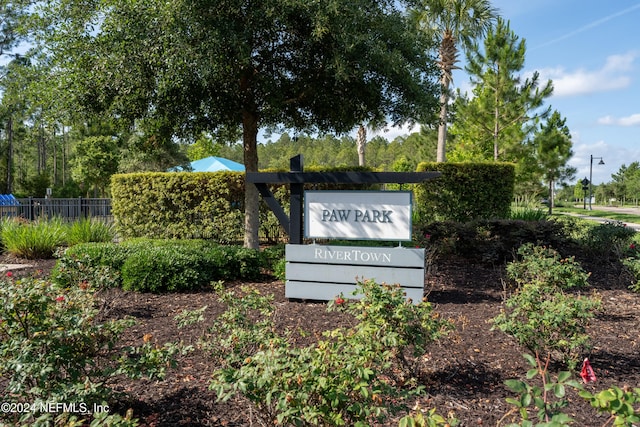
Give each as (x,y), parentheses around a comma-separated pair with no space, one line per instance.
(465,371)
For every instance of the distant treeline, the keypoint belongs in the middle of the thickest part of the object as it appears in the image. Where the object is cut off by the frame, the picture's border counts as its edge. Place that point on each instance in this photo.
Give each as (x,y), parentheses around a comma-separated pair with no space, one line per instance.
(404,153)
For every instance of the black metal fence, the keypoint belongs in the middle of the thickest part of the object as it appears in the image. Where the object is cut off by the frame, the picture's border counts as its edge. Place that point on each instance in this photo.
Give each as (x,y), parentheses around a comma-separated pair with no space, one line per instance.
(71,209)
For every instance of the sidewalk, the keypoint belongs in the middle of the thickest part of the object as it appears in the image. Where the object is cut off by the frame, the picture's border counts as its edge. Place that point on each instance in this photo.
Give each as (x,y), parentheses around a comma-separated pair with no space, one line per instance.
(13,267)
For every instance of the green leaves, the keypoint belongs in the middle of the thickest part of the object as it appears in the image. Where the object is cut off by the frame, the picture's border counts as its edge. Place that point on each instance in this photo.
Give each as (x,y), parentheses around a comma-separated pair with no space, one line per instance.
(548,400)
(33,240)
(539,314)
(156,265)
(52,349)
(619,403)
(351,376)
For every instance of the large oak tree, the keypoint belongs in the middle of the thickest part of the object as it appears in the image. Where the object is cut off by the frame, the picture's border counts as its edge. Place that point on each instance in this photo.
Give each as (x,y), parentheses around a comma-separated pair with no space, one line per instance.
(202,65)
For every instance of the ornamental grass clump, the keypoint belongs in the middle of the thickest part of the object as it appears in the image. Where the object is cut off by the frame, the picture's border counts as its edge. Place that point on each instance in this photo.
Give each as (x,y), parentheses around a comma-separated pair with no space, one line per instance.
(88,230)
(546,314)
(33,239)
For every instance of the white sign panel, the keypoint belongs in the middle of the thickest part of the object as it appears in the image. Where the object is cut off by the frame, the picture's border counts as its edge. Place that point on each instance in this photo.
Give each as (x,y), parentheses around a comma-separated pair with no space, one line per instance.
(358,215)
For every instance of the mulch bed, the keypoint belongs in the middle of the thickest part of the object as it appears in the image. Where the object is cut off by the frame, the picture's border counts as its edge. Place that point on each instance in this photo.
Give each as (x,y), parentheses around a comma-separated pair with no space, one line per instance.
(465,372)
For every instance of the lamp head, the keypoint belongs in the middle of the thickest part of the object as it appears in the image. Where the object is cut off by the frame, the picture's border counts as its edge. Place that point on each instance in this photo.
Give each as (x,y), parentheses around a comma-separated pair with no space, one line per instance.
(601,162)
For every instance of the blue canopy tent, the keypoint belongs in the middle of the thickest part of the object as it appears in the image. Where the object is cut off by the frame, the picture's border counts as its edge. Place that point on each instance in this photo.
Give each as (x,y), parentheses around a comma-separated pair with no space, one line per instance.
(215,164)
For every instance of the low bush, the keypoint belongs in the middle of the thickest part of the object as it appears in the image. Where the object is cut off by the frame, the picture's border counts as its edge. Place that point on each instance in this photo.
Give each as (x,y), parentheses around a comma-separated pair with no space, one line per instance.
(631,266)
(92,262)
(157,265)
(608,241)
(52,349)
(163,268)
(492,241)
(539,314)
(354,376)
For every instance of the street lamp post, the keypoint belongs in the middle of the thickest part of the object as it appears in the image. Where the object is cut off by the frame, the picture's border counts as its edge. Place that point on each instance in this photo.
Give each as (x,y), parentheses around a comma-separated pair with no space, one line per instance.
(601,162)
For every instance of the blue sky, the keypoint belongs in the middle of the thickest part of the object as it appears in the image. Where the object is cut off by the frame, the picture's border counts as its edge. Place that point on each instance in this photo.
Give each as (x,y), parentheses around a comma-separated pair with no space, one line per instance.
(590,49)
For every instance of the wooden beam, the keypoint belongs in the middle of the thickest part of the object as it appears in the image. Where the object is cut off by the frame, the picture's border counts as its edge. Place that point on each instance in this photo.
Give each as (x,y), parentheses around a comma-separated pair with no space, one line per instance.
(340,177)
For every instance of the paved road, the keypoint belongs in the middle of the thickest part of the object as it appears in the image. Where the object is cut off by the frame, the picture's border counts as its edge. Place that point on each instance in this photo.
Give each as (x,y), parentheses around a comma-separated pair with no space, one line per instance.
(626,209)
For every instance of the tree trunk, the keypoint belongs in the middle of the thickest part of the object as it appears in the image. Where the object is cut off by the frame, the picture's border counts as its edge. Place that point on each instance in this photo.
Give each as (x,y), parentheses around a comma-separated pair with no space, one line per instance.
(441,155)
(496,129)
(251,195)
(551,197)
(9,181)
(362,142)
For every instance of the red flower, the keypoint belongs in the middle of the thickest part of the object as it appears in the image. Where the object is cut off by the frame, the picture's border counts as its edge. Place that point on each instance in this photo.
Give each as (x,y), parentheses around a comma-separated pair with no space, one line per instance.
(427,236)
(9,274)
(632,246)
(60,298)
(339,301)
(587,373)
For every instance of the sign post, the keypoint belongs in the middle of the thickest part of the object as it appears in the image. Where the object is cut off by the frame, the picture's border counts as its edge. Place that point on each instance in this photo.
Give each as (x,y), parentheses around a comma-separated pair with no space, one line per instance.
(321,272)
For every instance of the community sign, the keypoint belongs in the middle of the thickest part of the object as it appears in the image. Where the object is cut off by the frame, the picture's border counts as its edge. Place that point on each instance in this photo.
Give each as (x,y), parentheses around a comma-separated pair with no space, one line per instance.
(358,215)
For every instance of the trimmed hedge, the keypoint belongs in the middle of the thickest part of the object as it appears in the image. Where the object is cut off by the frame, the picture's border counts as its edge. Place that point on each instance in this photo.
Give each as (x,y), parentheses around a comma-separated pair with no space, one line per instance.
(159,265)
(197,205)
(465,191)
(187,205)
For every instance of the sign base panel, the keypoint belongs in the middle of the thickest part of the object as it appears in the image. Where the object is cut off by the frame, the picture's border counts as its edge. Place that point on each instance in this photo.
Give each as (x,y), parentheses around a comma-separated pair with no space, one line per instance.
(320,272)
(321,291)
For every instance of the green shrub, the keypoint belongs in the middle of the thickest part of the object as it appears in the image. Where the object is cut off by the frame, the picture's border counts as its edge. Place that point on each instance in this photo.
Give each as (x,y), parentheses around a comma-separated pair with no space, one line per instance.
(539,314)
(547,401)
(465,191)
(33,240)
(608,241)
(91,262)
(53,351)
(604,242)
(186,205)
(631,266)
(348,378)
(543,265)
(163,268)
(89,230)
(156,265)
(273,260)
(492,241)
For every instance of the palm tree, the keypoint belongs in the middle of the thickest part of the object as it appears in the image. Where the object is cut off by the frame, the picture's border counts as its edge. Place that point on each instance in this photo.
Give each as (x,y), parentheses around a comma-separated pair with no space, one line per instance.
(454,23)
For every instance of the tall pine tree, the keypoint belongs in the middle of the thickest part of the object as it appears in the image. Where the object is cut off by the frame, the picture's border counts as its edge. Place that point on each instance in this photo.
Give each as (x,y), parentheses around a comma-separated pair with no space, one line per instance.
(495,122)
(553,151)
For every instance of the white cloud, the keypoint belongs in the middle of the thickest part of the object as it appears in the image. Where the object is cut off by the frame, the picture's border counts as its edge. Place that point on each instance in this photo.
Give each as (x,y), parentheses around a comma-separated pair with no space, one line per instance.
(613,75)
(632,120)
